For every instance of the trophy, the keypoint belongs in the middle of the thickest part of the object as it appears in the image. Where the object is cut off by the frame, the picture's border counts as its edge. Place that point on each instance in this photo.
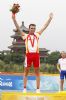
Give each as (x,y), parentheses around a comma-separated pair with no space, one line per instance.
(15,8)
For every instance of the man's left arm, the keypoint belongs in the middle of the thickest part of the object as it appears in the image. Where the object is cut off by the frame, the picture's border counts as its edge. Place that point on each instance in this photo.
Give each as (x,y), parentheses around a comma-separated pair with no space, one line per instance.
(46,24)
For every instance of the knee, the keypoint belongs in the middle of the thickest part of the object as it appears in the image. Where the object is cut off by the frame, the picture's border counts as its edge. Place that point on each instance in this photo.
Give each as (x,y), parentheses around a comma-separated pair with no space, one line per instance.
(37,73)
(26,72)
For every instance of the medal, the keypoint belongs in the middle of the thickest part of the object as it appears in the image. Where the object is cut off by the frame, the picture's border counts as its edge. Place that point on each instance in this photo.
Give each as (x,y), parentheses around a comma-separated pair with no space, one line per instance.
(32,42)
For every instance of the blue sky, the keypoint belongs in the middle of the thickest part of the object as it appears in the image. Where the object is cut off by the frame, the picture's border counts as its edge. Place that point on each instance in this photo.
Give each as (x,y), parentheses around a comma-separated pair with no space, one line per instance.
(35,11)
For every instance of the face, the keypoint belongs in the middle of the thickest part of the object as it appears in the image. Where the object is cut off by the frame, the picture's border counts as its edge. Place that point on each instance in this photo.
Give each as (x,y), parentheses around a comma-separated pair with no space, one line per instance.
(32,29)
(63,55)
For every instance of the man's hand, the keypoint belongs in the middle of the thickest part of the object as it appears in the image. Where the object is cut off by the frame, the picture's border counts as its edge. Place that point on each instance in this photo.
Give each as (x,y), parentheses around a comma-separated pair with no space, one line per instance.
(60,71)
(51,15)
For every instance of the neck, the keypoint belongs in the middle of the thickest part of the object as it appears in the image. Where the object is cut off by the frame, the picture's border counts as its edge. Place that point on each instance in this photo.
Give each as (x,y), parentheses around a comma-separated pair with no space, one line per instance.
(31,33)
(63,57)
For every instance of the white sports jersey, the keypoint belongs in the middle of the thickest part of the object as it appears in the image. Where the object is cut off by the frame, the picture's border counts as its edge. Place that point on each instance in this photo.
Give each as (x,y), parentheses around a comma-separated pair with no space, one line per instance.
(62,63)
(32,42)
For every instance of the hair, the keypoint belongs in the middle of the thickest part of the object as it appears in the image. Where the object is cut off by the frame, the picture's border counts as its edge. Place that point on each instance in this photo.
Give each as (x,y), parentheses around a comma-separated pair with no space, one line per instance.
(63,52)
(32,25)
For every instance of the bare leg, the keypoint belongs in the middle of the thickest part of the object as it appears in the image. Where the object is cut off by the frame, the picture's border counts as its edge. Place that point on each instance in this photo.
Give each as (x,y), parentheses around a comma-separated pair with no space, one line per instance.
(26,71)
(37,77)
(61,84)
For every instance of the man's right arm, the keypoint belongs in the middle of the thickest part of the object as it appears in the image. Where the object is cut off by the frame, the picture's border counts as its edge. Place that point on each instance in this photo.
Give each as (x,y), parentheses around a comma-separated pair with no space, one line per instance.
(17,26)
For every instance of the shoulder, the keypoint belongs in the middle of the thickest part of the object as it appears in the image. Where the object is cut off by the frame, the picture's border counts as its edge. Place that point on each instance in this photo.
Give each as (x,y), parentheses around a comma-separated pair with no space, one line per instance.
(60,59)
(37,34)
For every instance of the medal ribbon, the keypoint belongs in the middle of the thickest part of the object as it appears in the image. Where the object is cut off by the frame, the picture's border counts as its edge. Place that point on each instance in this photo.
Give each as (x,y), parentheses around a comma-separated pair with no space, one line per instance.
(32,42)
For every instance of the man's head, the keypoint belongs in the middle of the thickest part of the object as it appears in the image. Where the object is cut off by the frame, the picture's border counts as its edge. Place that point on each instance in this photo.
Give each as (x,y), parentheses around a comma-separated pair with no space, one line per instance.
(32,28)
(63,54)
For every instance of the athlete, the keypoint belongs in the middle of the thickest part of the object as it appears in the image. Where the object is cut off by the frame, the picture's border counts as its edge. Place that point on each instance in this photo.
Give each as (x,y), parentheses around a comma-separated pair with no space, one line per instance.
(32,49)
(61,66)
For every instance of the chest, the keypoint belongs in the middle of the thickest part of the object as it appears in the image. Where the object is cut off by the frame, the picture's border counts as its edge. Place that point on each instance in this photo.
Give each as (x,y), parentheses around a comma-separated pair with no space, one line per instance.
(32,40)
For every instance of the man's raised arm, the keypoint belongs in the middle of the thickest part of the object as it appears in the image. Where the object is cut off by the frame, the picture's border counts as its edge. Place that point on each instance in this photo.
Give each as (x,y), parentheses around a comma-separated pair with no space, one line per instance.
(16,24)
(46,24)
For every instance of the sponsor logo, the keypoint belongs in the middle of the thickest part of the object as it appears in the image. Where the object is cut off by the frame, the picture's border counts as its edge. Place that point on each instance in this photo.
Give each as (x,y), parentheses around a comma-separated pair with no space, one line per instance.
(1,78)
(6,84)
